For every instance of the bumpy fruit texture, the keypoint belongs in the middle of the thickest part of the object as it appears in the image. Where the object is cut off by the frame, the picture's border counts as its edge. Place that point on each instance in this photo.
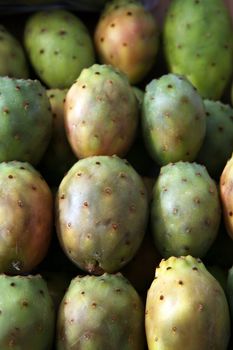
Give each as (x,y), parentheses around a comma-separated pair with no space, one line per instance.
(59,46)
(25,120)
(12,57)
(185,212)
(101,312)
(186,308)
(58,157)
(226,195)
(27,314)
(126,36)
(218,143)
(173,119)
(101,112)
(25,217)
(198,43)
(102,210)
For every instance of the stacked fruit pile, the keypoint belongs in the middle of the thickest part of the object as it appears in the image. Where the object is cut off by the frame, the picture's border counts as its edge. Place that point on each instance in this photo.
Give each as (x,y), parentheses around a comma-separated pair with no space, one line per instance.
(116,175)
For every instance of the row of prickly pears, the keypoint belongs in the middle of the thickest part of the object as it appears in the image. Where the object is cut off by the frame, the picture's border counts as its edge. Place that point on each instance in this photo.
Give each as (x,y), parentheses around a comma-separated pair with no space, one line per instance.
(116,178)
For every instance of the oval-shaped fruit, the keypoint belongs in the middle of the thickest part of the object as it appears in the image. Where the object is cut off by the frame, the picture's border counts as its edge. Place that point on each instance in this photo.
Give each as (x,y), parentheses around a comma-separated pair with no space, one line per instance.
(101,312)
(26,208)
(101,213)
(186,308)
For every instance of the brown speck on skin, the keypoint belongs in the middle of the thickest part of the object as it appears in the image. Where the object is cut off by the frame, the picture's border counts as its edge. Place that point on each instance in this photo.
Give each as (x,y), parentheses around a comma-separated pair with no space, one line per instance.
(6,110)
(20,204)
(108,190)
(161,297)
(194,268)
(85,204)
(41,292)
(129,13)
(82,292)
(197,200)
(230,213)
(62,32)
(84,86)
(200,307)
(112,25)
(156,339)
(10,176)
(41,51)
(25,303)
(26,105)
(94,305)
(12,284)
(168,268)
(17,87)
(62,196)
(69,224)
(174,329)
(34,188)
(114,226)
(102,40)
(169,86)
(181,282)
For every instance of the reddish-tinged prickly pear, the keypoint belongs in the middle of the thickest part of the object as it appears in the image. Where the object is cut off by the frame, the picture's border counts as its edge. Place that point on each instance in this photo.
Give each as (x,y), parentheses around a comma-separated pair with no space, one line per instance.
(126,36)
(26,209)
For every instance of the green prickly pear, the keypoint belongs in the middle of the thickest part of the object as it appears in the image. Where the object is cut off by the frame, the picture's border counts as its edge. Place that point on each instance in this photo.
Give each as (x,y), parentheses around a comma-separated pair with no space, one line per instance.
(218,143)
(59,46)
(101,112)
(126,36)
(186,308)
(25,120)
(185,210)
(27,316)
(198,43)
(101,213)
(101,312)
(13,61)
(173,119)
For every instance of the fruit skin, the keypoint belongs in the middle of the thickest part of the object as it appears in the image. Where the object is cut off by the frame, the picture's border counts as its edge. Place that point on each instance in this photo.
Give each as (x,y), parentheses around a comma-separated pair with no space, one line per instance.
(25,120)
(28,317)
(218,143)
(185,210)
(101,312)
(26,218)
(13,61)
(108,224)
(226,195)
(59,46)
(173,119)
(58,157)
(230,290)
(101,113)
(198,43)
(198,316)
(127,37)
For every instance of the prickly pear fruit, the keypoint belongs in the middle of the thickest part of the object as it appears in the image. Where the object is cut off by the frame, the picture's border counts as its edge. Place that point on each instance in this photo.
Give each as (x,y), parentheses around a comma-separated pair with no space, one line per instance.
(173,119)
(226,195)
(102,210)
(27,313)
(218,143)
(13,61)
(25,120)
(198,43)
(126,36)
(185,211)
(59,46)
(186,308)
(25,217)
(58,157)
(101,312)
(101,112)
